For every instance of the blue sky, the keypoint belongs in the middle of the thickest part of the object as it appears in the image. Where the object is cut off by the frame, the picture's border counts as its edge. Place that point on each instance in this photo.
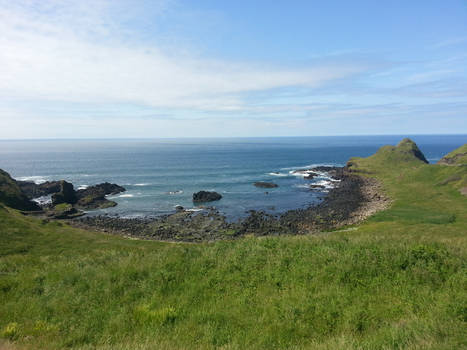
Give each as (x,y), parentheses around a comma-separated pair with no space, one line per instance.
(168,68)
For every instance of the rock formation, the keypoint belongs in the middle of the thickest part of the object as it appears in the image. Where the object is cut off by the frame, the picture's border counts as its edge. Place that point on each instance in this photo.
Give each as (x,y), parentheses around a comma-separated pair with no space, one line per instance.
(66,194)
(206,196)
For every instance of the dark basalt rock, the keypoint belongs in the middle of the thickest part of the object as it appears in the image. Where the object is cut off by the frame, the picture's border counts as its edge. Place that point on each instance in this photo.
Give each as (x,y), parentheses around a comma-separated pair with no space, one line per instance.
(66,194)
(105,188)
(33,190)
(262,184)
(206,196)
(12,196)
(93,197)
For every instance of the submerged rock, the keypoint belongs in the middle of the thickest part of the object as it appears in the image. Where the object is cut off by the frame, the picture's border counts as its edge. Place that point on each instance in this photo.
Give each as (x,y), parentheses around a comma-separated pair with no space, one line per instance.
(262,184)
(206,196)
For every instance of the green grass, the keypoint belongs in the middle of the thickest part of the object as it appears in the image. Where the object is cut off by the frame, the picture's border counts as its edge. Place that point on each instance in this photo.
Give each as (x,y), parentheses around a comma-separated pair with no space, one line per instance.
(458,156)
(398,281)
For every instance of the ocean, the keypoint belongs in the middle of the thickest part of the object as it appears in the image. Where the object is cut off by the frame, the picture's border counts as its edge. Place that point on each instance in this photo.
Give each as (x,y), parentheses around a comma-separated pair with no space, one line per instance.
(160,174)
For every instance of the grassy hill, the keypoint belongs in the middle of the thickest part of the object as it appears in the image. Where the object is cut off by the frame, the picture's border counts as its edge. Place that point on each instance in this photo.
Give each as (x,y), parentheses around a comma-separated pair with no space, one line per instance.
(397,281)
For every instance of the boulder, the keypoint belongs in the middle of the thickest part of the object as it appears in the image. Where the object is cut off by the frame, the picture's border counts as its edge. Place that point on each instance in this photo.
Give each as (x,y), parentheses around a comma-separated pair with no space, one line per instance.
(262,184)
(206,196)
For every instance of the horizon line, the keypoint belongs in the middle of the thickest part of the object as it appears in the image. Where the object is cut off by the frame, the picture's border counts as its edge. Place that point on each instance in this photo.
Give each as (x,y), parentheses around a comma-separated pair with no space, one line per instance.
(219,137)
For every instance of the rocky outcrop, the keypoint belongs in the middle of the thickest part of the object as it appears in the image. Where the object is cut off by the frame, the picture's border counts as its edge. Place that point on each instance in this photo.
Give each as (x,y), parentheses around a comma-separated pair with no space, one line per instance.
(33,190)
(66,194)
(93,197)
(12,196)
(105,188)
(65,200)
(262,184)
(206,196)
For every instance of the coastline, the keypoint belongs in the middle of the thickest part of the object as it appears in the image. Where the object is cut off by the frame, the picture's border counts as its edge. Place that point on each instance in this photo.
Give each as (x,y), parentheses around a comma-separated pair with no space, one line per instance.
(353,200)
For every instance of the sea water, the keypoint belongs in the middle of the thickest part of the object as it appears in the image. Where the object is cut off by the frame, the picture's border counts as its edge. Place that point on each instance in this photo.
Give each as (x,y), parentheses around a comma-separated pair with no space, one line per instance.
(160,174)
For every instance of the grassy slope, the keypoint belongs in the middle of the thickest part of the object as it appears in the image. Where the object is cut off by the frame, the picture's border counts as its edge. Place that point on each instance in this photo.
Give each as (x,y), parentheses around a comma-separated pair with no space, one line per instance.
(397,281)
(458,156)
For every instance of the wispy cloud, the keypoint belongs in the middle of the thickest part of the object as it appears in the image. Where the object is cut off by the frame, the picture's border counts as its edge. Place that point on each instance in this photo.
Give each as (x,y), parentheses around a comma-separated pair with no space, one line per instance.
(63,52)
(78,64)
(449,42)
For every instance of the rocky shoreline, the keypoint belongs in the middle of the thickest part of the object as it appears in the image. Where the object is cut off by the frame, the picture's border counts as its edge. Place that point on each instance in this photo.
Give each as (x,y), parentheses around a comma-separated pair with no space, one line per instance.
(350,198)
(353,199)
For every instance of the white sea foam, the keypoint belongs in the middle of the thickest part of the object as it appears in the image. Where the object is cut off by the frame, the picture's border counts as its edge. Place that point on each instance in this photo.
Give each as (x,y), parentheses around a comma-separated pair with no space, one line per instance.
(127,195)
(36,179)
(43,200)
(194,209)
(303,172)
(82,187)
(278,174)
(175,192)
(310,166)
(326,183)
(142,184)
(133,216)
(302,186)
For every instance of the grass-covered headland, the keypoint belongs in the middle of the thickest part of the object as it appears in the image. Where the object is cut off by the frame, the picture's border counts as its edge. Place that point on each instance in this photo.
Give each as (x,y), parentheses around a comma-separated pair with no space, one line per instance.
(396,281)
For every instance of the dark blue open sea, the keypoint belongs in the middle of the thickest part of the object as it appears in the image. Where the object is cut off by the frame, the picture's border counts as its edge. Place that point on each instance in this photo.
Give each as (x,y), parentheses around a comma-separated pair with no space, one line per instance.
(160,174)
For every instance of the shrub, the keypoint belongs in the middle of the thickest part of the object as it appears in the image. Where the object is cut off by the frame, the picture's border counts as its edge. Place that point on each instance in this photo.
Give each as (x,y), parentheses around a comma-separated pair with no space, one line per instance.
(11,331)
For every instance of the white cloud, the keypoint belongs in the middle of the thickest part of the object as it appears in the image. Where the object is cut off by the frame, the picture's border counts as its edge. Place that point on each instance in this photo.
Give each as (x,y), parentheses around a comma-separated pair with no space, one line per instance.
(73,51)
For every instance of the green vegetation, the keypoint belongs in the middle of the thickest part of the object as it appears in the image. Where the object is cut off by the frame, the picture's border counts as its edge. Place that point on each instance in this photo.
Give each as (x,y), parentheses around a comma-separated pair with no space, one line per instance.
(398,281)
(456,157)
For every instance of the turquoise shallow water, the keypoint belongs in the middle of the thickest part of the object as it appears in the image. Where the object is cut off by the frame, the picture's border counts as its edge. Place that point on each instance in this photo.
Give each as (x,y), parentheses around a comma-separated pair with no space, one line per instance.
(162,173)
